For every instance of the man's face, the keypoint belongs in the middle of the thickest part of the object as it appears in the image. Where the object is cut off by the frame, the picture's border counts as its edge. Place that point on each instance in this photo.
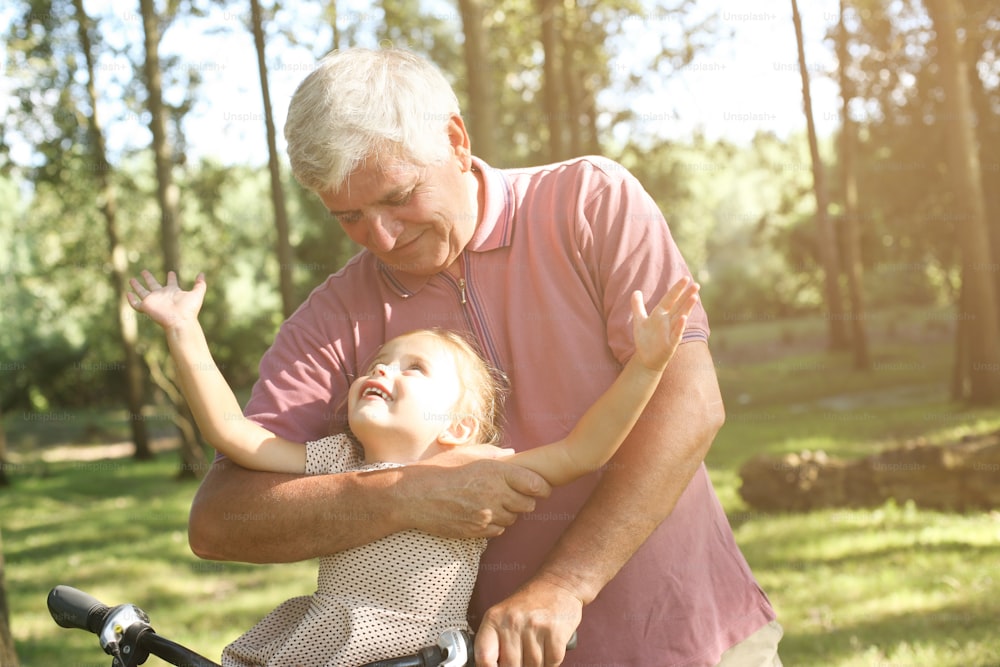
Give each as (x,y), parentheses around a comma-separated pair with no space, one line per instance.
(415,219)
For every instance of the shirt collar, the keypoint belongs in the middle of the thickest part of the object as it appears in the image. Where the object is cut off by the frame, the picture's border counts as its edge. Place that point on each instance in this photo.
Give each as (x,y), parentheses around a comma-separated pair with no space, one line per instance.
(495,229)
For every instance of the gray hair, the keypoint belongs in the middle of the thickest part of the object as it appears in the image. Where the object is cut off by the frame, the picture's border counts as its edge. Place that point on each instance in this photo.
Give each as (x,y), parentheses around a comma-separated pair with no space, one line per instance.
(361,104)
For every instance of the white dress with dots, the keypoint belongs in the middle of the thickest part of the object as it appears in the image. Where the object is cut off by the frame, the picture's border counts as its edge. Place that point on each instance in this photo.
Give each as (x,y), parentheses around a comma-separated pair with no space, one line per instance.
(382,600)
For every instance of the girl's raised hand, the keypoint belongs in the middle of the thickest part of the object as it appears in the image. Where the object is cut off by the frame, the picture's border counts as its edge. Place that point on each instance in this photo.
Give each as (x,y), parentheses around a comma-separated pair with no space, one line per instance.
(658,334)
(167,305)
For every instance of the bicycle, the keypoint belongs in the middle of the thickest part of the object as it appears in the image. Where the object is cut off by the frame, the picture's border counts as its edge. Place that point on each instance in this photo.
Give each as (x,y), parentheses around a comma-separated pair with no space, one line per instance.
(126,635)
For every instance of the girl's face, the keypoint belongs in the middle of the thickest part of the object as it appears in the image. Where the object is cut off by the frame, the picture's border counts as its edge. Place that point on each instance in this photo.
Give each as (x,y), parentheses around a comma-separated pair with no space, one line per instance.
(404,407)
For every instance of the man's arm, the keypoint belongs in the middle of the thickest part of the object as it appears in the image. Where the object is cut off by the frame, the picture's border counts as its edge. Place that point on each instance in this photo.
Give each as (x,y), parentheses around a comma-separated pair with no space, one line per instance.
(262,517)
(652,469)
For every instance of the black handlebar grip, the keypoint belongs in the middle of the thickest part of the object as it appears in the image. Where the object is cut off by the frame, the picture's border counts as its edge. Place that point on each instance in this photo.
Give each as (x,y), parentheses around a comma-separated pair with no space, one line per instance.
(72,608)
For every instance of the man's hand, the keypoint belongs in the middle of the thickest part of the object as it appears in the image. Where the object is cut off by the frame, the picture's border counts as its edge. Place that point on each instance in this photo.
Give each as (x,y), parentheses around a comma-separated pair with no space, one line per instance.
(466,493)
(530,628)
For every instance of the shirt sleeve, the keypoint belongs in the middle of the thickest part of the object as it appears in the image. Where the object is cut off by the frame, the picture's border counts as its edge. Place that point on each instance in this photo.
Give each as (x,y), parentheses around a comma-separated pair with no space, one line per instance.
(631,248)
(303,381)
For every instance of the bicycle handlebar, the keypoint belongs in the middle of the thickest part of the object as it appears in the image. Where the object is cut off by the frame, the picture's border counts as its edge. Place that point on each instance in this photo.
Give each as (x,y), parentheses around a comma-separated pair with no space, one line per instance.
(126,635)
(72,608)
(124,631)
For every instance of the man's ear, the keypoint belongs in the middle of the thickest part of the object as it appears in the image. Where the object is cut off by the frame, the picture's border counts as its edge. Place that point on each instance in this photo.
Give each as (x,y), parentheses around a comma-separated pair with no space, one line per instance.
(461,432)
(458,137)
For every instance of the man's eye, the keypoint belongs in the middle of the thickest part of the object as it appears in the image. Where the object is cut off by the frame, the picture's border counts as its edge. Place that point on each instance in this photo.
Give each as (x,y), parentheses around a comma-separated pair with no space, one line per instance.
(402,199)
(346,218)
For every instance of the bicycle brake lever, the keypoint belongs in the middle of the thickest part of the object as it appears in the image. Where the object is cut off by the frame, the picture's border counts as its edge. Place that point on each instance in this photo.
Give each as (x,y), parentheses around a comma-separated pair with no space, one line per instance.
(118,621)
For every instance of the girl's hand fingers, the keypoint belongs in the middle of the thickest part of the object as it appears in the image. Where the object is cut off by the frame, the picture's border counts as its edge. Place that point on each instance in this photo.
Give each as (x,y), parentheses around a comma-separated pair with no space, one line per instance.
(151,281)
(140,291)
(638,307)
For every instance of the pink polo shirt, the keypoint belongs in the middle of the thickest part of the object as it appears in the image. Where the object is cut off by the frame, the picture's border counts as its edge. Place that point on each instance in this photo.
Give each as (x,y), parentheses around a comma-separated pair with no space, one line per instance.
(547,279)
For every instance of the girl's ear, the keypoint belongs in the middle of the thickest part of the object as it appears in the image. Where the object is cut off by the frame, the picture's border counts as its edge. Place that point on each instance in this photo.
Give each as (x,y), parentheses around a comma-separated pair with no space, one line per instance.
(461,432)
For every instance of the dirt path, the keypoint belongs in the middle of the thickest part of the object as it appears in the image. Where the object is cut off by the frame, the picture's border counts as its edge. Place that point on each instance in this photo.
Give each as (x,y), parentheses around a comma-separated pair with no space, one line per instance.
(86,452)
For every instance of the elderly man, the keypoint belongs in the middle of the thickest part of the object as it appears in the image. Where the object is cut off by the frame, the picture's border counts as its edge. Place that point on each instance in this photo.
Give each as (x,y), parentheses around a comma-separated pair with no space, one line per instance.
(537,265)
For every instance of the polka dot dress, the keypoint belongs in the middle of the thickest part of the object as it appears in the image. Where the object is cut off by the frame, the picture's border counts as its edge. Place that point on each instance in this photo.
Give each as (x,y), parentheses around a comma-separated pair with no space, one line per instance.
(382,600)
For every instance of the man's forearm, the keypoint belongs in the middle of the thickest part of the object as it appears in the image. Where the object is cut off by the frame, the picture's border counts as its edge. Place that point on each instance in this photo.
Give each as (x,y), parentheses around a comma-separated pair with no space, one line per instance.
(262,517)
(647,477)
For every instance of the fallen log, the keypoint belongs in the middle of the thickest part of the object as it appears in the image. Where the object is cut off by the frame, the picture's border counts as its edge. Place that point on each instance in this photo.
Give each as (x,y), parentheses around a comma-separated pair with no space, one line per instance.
(961,476)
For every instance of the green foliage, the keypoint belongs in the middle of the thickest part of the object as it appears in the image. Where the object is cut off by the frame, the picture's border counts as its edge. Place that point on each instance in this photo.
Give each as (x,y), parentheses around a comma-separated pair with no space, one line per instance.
(910,219)
(743,215)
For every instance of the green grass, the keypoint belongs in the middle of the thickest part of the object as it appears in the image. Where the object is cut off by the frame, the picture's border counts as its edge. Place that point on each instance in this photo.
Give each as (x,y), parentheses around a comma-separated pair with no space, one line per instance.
(858,588)
(117,529)
(853,588)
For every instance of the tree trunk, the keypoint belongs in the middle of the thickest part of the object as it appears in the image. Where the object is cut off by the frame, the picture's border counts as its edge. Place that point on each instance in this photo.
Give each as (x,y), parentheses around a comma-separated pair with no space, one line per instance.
(4,480)
(135,386)
(959,376)
(573,86)
(193,460)
(966,175)
(479,80)
(827,240)
(284,246)
(987,128)
(331,14)
(555,120)
(852,225)
(167,196)
(8,656)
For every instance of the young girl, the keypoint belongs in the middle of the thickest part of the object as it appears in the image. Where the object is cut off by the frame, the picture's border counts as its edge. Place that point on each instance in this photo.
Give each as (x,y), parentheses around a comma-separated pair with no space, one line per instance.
(425,392)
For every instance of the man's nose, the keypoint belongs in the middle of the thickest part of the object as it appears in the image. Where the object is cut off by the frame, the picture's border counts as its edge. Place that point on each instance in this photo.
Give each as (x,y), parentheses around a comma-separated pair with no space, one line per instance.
(383,230)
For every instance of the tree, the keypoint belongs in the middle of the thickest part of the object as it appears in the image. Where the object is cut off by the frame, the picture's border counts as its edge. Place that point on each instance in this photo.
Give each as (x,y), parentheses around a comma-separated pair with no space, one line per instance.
(983,372)
(167,196)
(479,112)
(851,224)
(284,246)
(167,193)
(982,44)
(4,481)
(827,245)
(584,62)
(58,320)
(8,656)
(553,99)
(107,202)
(331,15)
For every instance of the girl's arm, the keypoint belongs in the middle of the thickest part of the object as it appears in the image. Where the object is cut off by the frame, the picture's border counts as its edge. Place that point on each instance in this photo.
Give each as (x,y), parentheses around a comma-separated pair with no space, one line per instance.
(606,424)
(212,401)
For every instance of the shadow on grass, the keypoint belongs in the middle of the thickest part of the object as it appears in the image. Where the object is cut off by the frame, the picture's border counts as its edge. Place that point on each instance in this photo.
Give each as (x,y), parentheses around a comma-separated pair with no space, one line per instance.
(892,638)
(891,585)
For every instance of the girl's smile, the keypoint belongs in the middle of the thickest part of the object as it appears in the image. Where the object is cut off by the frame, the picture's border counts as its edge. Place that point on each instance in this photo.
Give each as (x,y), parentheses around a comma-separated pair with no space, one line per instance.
(403,408)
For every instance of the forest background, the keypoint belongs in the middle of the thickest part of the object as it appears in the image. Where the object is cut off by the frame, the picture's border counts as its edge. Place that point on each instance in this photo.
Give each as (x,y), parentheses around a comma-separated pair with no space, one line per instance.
(149,137)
